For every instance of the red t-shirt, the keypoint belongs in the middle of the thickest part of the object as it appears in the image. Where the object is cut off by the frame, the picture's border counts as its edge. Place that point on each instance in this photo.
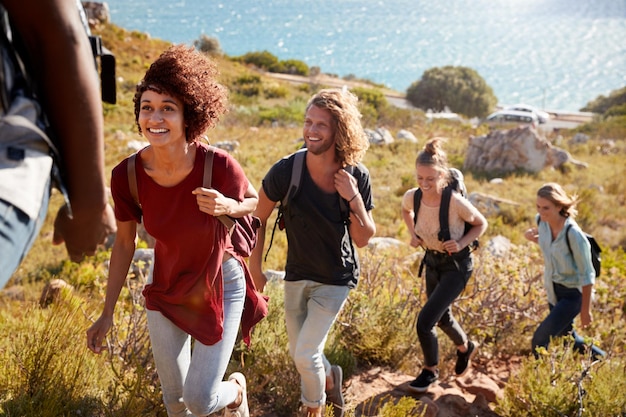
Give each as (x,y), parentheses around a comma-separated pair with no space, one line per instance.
(187,279)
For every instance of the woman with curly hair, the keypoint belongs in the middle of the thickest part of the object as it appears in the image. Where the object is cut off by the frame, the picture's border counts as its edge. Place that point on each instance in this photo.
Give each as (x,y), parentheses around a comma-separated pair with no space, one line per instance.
(568,270)
(330,211)
(198,283)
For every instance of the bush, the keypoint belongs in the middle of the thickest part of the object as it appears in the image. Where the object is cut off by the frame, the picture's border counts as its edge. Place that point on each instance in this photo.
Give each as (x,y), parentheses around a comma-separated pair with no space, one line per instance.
(208,45)
(248,85)
(564,383)
(460,89)
(264,59)
(602,104)
(291,66)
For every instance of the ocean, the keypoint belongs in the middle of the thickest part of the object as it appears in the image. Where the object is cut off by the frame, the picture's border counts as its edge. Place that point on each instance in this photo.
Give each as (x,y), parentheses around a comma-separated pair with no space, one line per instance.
(554,54)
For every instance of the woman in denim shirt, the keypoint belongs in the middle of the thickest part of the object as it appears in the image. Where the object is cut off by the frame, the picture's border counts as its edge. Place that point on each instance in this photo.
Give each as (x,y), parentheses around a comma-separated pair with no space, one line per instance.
(568,275)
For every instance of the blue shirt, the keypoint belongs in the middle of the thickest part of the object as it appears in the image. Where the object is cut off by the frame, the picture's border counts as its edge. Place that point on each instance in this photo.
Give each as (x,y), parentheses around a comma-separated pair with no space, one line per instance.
(571,269)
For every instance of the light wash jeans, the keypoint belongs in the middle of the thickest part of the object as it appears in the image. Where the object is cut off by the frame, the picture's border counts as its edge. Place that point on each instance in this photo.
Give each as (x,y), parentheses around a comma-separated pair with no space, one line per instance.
(310,310)
(560,321)
(17,235)
(444,283)
(193,385)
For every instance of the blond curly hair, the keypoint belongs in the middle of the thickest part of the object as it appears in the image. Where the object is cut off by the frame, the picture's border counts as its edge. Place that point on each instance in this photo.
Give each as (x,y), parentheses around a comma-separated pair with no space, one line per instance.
(351,141)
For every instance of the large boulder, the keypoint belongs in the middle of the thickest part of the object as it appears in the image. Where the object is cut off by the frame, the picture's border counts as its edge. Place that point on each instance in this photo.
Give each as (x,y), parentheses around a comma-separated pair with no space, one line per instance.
(522,148)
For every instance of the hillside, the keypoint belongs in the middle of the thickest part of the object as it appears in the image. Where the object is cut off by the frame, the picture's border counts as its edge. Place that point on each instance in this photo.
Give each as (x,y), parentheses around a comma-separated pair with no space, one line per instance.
(375,340)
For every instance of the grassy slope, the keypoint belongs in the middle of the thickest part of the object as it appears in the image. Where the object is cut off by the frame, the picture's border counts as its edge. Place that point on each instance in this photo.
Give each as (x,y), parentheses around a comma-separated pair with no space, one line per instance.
(601,186)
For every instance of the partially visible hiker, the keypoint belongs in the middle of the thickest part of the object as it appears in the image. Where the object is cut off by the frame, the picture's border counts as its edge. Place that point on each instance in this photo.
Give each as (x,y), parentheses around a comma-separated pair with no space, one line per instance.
(57,54)
(328,215)
(568,275)
(447,259)
(199,283)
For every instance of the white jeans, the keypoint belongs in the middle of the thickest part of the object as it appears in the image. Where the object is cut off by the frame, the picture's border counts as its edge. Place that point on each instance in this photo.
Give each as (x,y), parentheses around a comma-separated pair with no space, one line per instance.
(310,310)
(193,385)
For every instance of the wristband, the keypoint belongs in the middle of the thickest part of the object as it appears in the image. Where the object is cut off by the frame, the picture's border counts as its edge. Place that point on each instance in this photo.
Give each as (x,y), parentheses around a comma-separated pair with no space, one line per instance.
(350,201)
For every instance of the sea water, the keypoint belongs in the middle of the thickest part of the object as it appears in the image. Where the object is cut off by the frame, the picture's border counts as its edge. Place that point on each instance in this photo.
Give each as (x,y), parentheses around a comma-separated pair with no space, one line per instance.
(554,54)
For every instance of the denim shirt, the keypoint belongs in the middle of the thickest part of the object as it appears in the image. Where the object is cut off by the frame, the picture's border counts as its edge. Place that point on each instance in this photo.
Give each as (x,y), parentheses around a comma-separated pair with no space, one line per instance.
(571,269)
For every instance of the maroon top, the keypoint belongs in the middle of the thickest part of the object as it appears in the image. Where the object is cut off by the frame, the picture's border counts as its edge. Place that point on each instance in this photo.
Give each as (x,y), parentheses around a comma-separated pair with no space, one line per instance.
(187,280)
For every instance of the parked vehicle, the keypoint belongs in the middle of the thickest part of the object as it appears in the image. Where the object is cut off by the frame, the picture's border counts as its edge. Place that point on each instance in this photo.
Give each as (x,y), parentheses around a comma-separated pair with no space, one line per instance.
(542,116)
(511,118)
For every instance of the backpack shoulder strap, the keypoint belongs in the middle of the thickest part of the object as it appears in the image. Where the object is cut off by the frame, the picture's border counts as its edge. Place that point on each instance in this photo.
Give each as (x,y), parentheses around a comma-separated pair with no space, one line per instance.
(569,246)
(207,178)
(296,175)
(132,178)
(444,210)
(294,183)
(417,200)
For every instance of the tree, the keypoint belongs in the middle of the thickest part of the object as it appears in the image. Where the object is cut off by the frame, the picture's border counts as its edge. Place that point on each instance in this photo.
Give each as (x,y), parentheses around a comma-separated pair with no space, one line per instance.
(208,45)
(614,102)
(460,89)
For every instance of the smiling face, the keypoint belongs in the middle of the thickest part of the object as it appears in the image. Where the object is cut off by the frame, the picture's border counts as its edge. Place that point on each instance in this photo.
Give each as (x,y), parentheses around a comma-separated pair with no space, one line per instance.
(429,178)
(549,212)
(319,130)
(161,118)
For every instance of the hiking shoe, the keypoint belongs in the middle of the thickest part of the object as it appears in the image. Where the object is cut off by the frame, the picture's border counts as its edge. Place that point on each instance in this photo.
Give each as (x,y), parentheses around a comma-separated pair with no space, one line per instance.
(424,381)
(463,359)
(242,410)
(335,396)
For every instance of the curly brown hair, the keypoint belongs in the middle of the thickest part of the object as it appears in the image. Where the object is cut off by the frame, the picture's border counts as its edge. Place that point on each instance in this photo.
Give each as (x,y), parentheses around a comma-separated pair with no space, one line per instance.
(351,140)
(190,76)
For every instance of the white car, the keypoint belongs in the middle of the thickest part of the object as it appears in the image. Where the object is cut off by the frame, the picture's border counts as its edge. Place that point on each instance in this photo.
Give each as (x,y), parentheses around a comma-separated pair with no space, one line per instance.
(542,116)
(510,118)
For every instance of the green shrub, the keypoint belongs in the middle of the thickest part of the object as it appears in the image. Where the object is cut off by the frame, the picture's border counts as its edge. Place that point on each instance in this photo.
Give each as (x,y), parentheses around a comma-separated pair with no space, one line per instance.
(564,383)
(264,59)
(290,66)
(461,89)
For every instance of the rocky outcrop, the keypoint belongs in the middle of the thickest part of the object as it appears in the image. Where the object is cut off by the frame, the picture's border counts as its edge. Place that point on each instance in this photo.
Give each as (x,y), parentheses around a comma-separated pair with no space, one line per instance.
(519,149)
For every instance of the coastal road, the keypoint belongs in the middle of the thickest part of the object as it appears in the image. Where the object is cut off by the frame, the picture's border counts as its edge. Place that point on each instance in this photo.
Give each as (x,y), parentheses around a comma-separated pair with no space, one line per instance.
(559,119)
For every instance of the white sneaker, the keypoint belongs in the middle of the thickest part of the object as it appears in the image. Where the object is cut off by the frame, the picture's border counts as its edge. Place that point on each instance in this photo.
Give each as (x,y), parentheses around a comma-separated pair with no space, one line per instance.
(242,410)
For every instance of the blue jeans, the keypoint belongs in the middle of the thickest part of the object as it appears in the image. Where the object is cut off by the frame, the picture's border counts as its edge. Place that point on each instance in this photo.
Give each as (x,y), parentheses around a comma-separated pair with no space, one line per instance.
(445,281)
(194,384)
(560,321)
(17,235)
(310,310)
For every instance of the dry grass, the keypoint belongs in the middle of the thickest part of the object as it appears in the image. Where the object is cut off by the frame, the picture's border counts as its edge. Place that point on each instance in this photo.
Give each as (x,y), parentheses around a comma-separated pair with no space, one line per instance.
(501,306)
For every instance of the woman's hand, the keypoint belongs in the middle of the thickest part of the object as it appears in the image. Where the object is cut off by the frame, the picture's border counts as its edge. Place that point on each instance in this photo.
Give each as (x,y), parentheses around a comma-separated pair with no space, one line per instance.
(532,234)
(213,202)
(97,333)
(451,246)
(416,240)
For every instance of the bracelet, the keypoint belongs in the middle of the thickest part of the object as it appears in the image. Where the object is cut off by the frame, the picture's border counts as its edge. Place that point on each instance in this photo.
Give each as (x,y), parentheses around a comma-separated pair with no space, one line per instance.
(350,201)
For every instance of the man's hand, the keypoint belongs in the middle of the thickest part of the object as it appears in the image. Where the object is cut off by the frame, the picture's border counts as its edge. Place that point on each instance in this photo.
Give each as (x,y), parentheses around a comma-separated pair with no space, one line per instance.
(84,232)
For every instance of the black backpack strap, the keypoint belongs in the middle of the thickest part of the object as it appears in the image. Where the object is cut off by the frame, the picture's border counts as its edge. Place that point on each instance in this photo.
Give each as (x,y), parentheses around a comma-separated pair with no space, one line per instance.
(296,176)
(569,246)
(294,184)
(444,210)
(417,200)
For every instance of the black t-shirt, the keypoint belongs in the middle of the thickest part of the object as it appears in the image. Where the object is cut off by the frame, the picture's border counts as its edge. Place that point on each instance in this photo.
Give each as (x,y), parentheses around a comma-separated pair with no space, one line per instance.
(319,245)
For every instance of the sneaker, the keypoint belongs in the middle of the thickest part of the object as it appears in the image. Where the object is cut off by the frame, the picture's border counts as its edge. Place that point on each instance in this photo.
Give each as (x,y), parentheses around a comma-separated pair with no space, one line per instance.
(242,410)
(463,359)
(424,381)
(335,396)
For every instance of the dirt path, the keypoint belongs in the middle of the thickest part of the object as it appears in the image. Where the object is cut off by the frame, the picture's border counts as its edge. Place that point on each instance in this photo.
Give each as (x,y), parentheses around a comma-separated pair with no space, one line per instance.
(473,394)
